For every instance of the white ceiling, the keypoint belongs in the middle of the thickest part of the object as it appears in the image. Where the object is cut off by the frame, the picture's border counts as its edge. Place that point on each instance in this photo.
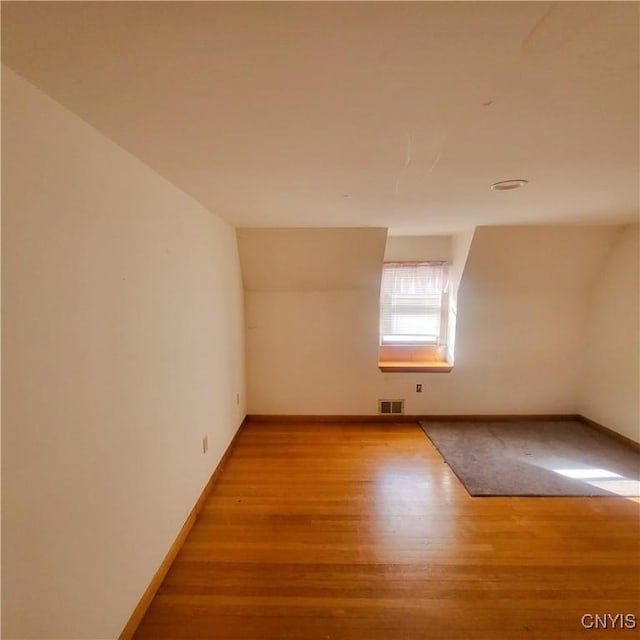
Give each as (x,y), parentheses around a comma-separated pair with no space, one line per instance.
(373,114)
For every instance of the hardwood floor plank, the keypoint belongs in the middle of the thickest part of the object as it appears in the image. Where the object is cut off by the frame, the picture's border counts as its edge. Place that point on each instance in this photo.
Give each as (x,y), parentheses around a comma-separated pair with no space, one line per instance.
(360,531)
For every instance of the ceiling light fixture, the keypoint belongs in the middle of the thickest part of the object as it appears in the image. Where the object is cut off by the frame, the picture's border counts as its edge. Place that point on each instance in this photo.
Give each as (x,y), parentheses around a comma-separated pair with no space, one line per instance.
(508,185)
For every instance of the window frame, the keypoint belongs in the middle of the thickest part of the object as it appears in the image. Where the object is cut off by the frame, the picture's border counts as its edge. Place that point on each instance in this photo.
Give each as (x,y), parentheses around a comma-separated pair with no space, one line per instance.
(441,341)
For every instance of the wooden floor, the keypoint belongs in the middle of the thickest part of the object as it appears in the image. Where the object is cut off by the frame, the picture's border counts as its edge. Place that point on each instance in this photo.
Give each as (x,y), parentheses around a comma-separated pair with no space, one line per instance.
(326,531)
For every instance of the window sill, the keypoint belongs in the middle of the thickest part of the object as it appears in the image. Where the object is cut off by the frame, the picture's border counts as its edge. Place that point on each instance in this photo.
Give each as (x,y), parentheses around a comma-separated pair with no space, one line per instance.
(434,366)
(413,359)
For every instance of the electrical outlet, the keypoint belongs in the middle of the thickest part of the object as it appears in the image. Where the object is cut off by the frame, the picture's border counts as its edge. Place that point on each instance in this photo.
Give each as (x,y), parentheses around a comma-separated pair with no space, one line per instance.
(205,444)
(418,388)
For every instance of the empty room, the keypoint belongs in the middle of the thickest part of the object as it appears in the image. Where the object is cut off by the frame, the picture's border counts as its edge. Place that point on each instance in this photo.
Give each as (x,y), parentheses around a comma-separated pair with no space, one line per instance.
(320,320)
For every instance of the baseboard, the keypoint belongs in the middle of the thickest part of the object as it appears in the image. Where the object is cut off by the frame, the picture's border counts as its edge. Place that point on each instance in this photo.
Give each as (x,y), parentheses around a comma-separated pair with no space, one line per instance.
(289,419)
(502,417)
(610,432)
(142,606)
(389,419)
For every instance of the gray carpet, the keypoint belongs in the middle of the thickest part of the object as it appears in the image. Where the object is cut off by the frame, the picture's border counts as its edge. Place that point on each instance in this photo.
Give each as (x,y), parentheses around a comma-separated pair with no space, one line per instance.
(564,458)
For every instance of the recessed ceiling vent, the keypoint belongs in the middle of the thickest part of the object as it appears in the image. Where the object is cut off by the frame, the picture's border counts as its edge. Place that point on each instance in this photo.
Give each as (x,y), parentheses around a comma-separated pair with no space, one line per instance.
(390,407)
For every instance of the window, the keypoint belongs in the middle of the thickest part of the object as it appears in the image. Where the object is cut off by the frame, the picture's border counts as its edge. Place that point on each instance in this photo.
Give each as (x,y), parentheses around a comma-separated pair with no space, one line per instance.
(414,316)
(413,303)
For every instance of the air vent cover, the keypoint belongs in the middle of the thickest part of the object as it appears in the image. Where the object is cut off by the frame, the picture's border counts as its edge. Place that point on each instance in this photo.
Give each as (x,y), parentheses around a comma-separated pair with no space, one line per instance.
(391,407)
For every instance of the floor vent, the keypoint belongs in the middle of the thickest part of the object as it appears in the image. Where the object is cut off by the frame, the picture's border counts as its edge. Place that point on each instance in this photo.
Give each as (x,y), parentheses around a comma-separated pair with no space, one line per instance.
(391,407)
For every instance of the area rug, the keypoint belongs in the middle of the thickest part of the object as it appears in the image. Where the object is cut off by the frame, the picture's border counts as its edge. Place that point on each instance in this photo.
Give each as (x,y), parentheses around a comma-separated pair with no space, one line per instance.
(563,458)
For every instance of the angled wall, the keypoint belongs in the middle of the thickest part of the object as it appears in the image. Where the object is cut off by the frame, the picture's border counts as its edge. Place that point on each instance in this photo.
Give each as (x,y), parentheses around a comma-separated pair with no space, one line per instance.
(610,385)
(311,307)
(522,309)
(122,346)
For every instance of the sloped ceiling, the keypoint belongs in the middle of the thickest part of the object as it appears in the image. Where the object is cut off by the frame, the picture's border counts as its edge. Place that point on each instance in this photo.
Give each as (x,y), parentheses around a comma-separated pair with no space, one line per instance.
(548,259)
(357,114)
(311,259)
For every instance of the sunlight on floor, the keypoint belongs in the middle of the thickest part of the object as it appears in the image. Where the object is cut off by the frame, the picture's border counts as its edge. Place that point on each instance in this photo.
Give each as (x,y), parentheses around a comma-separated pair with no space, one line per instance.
(587,473)
(604,479)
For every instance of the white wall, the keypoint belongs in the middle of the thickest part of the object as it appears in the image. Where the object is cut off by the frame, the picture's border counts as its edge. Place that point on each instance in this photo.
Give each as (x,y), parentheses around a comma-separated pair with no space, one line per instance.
(610,390)
(408,248)
(460,246)
(122,347)
(521,321)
